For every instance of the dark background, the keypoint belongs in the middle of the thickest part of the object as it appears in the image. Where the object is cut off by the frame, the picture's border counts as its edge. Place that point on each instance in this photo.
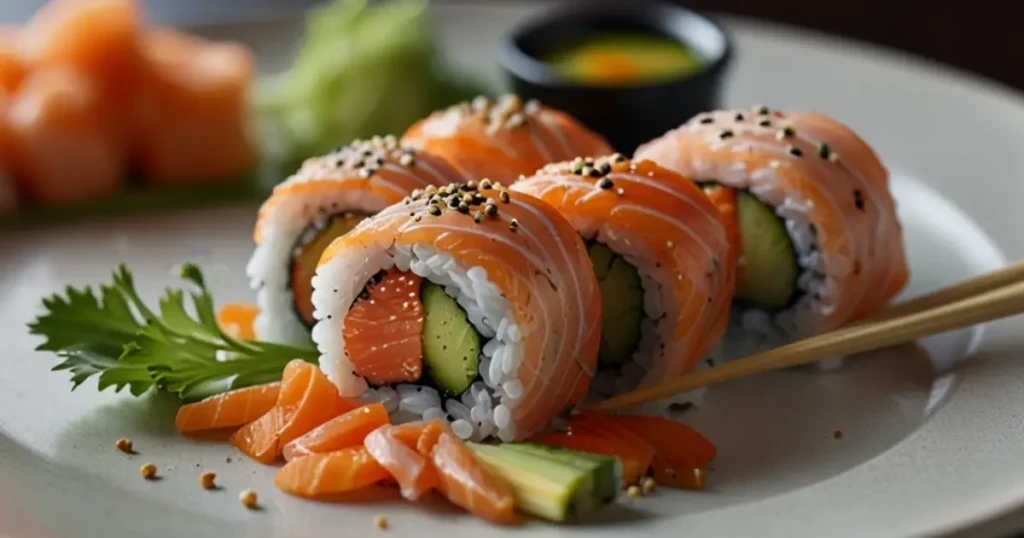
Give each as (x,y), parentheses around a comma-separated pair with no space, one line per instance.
(984,36)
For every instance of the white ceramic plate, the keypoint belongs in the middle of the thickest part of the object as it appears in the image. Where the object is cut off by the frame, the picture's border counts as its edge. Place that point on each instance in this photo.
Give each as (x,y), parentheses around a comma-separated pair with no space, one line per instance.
(931,443)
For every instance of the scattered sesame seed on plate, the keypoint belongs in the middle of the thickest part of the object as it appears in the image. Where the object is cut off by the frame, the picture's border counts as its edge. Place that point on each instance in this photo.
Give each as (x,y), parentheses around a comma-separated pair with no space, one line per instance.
(381,522)
(148,471)
(124,445)
(248,498)
(208,480)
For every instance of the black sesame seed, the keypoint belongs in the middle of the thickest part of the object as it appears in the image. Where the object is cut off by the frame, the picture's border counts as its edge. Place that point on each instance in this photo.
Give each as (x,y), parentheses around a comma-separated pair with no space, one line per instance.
(765,123)
(824,151)
(605,168)
(453,202)
(726,133)
(478,217)
(513,225)
(504,196)
(797,152)
(433,210)
(740,116)
(464,208)
(707,120)
(761,109)
(858,199)
(490,209)
(605,183)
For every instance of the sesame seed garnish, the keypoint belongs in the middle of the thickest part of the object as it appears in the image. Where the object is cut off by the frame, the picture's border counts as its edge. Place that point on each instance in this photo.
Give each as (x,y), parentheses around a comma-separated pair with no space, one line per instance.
(760,109)
(207,480)
(605,167)
(504,196)
(490,209)
(648,484)
(586,170)
(795,151)
(739,116)
(605,183)
(824,151)
(434,210)
(365,173)
(765,123)
(707,120)
(617,158)
(478,217)
(833,157)
(620,191)
(485,184)
(454,202)
(463,208)
(248,498)
(785,132)
(633,491)
(858,199)
(513,225)
(148,471)
(407,159)
(124,445)
(381,522)
(726,133)
(417,218)
(670,244)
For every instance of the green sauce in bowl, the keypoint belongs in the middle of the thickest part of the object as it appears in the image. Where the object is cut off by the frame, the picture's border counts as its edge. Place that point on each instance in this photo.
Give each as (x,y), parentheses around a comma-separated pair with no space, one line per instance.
(624,58)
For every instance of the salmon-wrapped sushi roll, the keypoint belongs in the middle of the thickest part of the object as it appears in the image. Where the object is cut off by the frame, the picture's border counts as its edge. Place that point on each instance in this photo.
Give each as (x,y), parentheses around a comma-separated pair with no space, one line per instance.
(503,139)
(467,303)
(820,241)
(662,259)
(326,198)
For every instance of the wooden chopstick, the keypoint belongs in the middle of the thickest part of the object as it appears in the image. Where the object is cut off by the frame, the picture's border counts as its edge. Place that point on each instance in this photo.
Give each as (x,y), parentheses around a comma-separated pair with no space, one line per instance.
(962,290)
(988,305)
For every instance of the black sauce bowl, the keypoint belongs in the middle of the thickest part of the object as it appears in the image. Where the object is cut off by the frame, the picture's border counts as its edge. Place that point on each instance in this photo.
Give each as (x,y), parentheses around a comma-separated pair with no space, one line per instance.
(627,115)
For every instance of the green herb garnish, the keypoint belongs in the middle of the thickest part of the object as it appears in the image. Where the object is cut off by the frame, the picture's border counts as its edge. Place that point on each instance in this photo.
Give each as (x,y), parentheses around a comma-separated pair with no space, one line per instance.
(114,335)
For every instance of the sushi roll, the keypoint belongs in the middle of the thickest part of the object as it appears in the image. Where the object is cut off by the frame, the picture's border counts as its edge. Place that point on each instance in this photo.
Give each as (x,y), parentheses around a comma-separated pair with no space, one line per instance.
(819,240)
(467,303)
(503,139)
(662,259)
(323,200)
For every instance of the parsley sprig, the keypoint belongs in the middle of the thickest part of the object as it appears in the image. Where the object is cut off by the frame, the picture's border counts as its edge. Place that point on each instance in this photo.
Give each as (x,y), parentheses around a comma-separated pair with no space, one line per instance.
(111,333)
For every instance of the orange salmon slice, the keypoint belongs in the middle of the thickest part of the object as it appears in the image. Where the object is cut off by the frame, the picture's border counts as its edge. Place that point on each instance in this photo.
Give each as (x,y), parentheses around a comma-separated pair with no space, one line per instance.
(228,410)
(681,451)
(389,445)
(332,473)
(347,430)
(468,483)
(383,330)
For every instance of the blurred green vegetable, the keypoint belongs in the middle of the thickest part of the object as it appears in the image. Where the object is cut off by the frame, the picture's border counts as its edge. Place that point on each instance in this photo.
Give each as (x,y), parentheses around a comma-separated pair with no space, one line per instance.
(362,70)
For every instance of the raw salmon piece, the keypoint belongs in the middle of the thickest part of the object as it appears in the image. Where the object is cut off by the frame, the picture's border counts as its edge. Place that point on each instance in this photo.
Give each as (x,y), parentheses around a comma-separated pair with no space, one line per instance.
(99,37)
(332,473)
(503,139)
(625,441)
(428,437)
(65,148)
(634,462)
(676,443)
(468,483)
(190,113)
(261,438)
(237,320)
(414,473)
(318,403)
(228,410)
(344,431)
(384,330)
(12,68)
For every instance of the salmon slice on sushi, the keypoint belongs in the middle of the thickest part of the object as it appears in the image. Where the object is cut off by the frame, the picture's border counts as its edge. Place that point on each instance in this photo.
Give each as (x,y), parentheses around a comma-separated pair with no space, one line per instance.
(819,240)
(467,303)
(661,255)
(325,199)
(503,139)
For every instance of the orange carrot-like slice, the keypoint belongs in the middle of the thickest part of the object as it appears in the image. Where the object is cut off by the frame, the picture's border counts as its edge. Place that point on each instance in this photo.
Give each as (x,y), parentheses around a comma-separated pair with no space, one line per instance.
(675,442)
(231,409)
(260,439)
(331,473)
(237,319)
(389,445)
(344,431)
(470,484)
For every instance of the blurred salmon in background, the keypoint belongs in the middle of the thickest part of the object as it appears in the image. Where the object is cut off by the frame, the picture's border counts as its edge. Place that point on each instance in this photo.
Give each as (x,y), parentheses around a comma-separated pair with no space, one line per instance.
(90,94)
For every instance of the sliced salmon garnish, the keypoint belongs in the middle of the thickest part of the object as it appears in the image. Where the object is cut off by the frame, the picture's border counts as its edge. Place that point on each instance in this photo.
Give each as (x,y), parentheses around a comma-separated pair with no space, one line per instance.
(306,400)
(65,147)
(231,409)
(237,319)
(383,330)
(390,446)
(261,439)
(332,473)
(344,431)
(678,447)
(468,483)
(641,453)
(428,437)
